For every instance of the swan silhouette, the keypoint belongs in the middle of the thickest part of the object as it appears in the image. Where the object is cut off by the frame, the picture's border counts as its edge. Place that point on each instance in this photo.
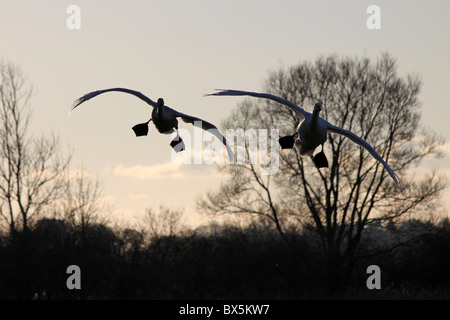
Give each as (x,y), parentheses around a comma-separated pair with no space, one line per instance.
(312,132)
(163,117)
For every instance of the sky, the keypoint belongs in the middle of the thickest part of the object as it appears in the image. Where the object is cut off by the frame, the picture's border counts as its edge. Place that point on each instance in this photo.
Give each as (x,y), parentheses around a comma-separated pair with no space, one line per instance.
(181,50)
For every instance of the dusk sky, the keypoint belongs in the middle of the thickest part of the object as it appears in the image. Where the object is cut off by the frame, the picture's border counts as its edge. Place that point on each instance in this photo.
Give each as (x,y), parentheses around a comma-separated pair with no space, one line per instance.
(181,50)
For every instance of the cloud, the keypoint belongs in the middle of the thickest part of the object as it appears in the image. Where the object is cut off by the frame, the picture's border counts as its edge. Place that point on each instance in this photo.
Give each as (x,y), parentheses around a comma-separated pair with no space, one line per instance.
(167,170)
(137,196)
(445,148)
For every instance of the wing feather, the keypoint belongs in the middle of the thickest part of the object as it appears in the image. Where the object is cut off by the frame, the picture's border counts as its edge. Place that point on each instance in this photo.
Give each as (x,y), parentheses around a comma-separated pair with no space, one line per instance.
(207,126)
(302,113)
(93,94)
(369,148)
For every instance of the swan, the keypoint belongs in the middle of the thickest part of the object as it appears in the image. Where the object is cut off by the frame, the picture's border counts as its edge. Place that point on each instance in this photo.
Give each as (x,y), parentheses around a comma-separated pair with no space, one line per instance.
(312,132)
(163,117)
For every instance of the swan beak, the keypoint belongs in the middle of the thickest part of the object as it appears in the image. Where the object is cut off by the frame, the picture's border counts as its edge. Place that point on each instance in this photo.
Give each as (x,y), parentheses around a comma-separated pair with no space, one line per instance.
(286,142)
(177,144)
(141,129)
(320,160)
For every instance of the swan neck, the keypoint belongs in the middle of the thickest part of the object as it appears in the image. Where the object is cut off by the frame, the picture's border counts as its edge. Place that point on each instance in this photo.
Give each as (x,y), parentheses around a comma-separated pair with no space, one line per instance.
(315,118)
(160,110)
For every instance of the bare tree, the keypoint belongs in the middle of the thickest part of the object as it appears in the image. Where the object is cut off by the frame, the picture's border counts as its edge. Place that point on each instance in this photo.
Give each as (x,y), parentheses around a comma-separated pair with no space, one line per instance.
(82,203)
(30,167)
(368,98)
(166,223)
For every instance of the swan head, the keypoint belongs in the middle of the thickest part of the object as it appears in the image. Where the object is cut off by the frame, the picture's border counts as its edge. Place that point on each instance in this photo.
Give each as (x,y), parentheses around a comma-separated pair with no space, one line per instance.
(160,102)
(317,107)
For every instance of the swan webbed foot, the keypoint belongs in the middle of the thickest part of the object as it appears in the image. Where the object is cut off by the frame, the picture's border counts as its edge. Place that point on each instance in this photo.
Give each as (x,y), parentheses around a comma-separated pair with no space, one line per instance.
(141,129)
(287,142)
(320,160)
(177,144)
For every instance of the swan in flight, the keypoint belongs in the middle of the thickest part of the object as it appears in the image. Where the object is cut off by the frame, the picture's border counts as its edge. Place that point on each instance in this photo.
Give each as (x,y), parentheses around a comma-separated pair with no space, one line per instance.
(163,117)
(312,131)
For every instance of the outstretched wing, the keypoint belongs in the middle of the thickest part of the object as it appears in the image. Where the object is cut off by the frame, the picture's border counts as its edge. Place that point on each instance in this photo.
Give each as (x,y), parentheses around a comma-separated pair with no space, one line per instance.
(302,113)
(93,94)
(207,126)
(369,148)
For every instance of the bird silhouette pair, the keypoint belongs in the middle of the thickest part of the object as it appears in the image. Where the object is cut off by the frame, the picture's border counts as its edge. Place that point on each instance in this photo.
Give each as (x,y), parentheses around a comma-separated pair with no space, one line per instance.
(311,132)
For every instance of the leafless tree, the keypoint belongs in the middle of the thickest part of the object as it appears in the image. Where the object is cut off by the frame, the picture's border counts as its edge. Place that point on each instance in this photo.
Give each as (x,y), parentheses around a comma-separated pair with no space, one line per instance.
(368,98)
(30,167)
(82,203)
(165,223)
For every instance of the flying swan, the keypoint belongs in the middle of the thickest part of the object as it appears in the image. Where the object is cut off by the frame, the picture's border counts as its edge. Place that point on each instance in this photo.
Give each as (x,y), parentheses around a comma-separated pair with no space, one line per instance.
(311,132)
(163,117)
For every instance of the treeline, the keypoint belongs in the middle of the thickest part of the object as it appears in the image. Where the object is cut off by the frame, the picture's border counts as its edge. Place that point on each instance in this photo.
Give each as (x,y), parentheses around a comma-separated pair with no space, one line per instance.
(217,262)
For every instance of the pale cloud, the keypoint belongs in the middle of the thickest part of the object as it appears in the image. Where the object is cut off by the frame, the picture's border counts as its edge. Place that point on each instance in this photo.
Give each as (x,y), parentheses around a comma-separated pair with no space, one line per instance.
(143,172)
(167,170)
(427,165)
(137,196)
(445,148)
(184,165)
(108,199)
